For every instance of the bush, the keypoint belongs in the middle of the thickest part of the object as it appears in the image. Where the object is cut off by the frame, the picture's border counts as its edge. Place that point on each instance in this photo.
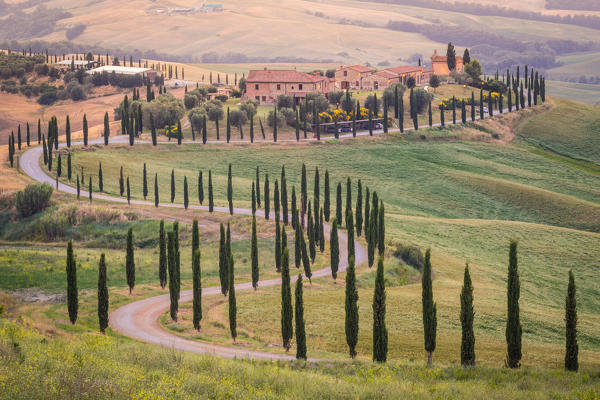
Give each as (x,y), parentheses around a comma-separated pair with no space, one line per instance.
(221,97)
(411,255)
(422,98)
(190,101)
(335,96)
(33,199)
(166,109)
(249,107)
(390,91)
(284,101)
(321,102)
(281,119)
(49,96)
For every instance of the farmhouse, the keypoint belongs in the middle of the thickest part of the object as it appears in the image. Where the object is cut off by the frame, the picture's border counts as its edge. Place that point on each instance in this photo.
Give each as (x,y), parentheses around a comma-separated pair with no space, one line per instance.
(379,80)
(148,72)
(265,85)
(439,64)
(351,77)
(403,73)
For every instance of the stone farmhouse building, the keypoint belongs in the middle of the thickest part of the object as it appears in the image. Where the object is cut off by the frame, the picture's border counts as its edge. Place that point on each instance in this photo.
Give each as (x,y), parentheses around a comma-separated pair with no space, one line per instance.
(266,85)
(351,77)
(439,64)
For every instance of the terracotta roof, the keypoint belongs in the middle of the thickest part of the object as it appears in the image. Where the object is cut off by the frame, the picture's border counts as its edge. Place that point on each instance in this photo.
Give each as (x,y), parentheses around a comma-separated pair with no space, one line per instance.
(405,69)
(281,76)
(386,74)
(359,68)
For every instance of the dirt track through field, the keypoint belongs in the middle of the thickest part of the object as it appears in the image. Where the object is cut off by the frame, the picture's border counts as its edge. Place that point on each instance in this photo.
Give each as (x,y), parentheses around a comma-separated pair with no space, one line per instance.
(139,319)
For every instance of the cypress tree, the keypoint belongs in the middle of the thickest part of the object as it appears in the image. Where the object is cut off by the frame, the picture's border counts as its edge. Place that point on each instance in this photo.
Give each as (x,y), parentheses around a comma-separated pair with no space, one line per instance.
(454,110)
(172,185)
(67,132)
(179,133)
(351,317)
(254,255)
(303,194)
(257,188)
(294,208)
(348,197)
(253,199)
(228,126)
(463,112)
(100,180)
(276,204)
(297,244)
(39,131)
(69,170)
(28,137)
(481,115)
(401,114)
(359,209)
(19,137)
(145,182)
(211,203)
(72,297)
(335,249)
(200,188)
(472,106)
(153,130)
(155,190)
(284,197)
(10,152)
(267,198)
(59,167)
(232,300)
(381,230)
(380,335)
(338,202)
(571,348)
(430,115)
(311,235)
(162,255)
(128,192)
(121,182)
(396,101)
(305,259)
(197,288)
(490,105)
(102,295)
(513,324)
(78,188)
(367,213)
(186,199)
(371,121)
(277,243)
(252,129)
(106,129)
(205,131)
(299,317)
(321,232)
(44,148)
(326,201)
(171,261)
(429,309)
(90,188)
(223,263)
(467,346)
(129,261)
(275,124)
(385,116)
(350,229)
(287,330)
(509,99)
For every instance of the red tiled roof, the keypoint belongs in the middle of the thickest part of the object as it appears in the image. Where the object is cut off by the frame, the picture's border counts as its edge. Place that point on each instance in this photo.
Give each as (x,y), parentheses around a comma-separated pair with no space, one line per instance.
(281,76)
(405,69)
(359,68)
(386,73)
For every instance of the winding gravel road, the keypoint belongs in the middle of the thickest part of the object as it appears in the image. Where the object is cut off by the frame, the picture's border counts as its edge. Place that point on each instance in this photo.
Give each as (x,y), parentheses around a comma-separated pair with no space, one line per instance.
(139,319)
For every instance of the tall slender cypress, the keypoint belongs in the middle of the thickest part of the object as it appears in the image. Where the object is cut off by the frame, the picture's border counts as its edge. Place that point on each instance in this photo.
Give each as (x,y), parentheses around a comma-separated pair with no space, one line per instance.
(155,190)
(284,197)
(171,261)
(102,295)
(145,182)
(303,194)
(326,200)
(276,203)
(172,185)
(200,188)
(69,166)
(267,197)
(90,189)
(186,199)
(223,261)
(230,191)
(513,323)
(287,330)
(381,230)
(321,232)
(297,244)
(294,208)
(254,255)
(311,235)
(335,249)
(472,106)
(571,347)
(299,317)
(68,131)
(100,178)
(338,203)
(350,230)
(231,297)
(121,182)
(128,192)
(106,132)
(304,255)
(129,261)
(196,288)
(253,196)
(380,334)
(467,314)
(351,316)
(277,243)
(211,203)
(258,202)
(72,297)
(367,213)
(359,209)
(162,255)
(429,309)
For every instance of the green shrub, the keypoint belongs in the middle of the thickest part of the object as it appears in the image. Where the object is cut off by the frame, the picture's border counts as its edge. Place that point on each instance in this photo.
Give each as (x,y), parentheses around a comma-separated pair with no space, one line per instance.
(411,255)
(33,199)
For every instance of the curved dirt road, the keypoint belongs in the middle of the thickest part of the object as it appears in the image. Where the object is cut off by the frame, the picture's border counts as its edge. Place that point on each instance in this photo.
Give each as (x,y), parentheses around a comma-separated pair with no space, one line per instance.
(139,319)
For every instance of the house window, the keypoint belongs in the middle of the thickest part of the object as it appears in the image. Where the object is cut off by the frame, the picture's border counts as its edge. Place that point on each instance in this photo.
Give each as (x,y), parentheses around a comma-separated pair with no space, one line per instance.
(264,98)
(278,86)
(356,83)
(345,73)
(299,86)
(256,86)
(257,98)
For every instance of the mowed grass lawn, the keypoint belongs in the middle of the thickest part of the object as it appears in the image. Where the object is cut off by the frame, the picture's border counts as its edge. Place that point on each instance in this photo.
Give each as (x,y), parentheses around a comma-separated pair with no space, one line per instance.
(464,200)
